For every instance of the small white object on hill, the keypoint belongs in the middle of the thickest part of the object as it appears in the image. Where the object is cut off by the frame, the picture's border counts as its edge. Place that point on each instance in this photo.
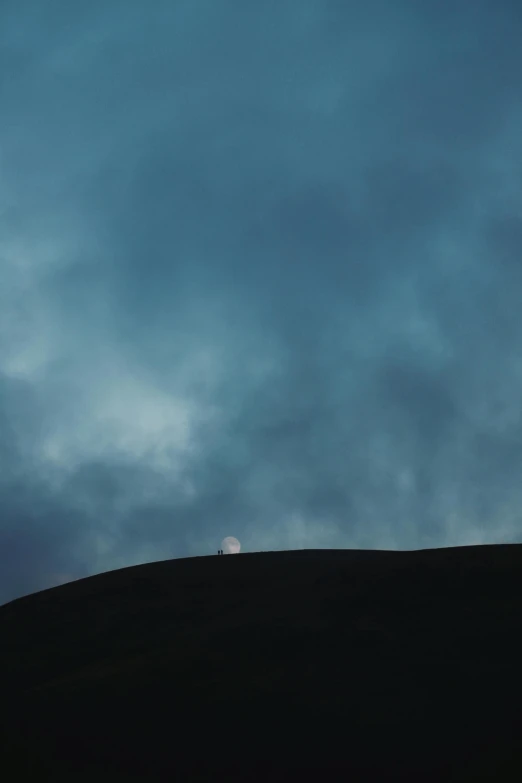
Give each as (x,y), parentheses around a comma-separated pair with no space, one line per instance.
(230,545)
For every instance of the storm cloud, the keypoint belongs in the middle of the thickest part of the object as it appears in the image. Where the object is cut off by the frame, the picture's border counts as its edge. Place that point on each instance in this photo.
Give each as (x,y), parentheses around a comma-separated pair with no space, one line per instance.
(260,275)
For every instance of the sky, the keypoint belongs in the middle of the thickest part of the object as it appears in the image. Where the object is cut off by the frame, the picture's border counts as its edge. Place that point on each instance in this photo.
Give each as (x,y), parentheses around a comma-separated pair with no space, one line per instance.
(260,276)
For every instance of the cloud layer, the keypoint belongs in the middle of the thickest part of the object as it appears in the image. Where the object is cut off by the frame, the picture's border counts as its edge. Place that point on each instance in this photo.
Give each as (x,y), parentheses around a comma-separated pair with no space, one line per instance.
(261,275)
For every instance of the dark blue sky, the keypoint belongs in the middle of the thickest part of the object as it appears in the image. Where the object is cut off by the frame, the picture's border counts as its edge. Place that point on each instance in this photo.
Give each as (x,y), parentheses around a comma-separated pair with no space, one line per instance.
(260,275)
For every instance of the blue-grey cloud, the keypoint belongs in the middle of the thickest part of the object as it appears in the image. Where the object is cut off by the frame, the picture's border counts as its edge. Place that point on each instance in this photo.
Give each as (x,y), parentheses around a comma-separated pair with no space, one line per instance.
(260,277)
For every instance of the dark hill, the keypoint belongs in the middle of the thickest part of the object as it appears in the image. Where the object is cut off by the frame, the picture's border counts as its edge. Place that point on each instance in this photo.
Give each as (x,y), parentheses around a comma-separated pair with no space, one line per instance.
(271,666)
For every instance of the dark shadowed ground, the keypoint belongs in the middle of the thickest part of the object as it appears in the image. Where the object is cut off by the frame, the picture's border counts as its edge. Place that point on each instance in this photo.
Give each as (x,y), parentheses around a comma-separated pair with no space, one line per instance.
(271,666)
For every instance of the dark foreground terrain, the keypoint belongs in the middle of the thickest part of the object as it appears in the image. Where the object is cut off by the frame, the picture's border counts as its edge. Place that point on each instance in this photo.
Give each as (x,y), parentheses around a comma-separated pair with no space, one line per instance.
(270,666)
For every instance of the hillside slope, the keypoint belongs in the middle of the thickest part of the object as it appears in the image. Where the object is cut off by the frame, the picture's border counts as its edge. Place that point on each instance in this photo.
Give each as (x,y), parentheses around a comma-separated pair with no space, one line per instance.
(389,665)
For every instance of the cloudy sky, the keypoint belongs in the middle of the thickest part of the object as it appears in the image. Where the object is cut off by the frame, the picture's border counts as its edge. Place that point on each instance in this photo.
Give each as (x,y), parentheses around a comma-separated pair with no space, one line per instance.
(260,275)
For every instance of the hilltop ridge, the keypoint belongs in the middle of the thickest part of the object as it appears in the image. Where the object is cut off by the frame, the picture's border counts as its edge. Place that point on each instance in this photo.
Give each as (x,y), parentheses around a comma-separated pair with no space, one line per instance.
(363,661)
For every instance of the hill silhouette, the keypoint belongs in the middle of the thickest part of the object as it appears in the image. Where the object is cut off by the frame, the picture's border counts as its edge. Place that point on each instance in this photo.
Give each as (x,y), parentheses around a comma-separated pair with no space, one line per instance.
(271,666)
